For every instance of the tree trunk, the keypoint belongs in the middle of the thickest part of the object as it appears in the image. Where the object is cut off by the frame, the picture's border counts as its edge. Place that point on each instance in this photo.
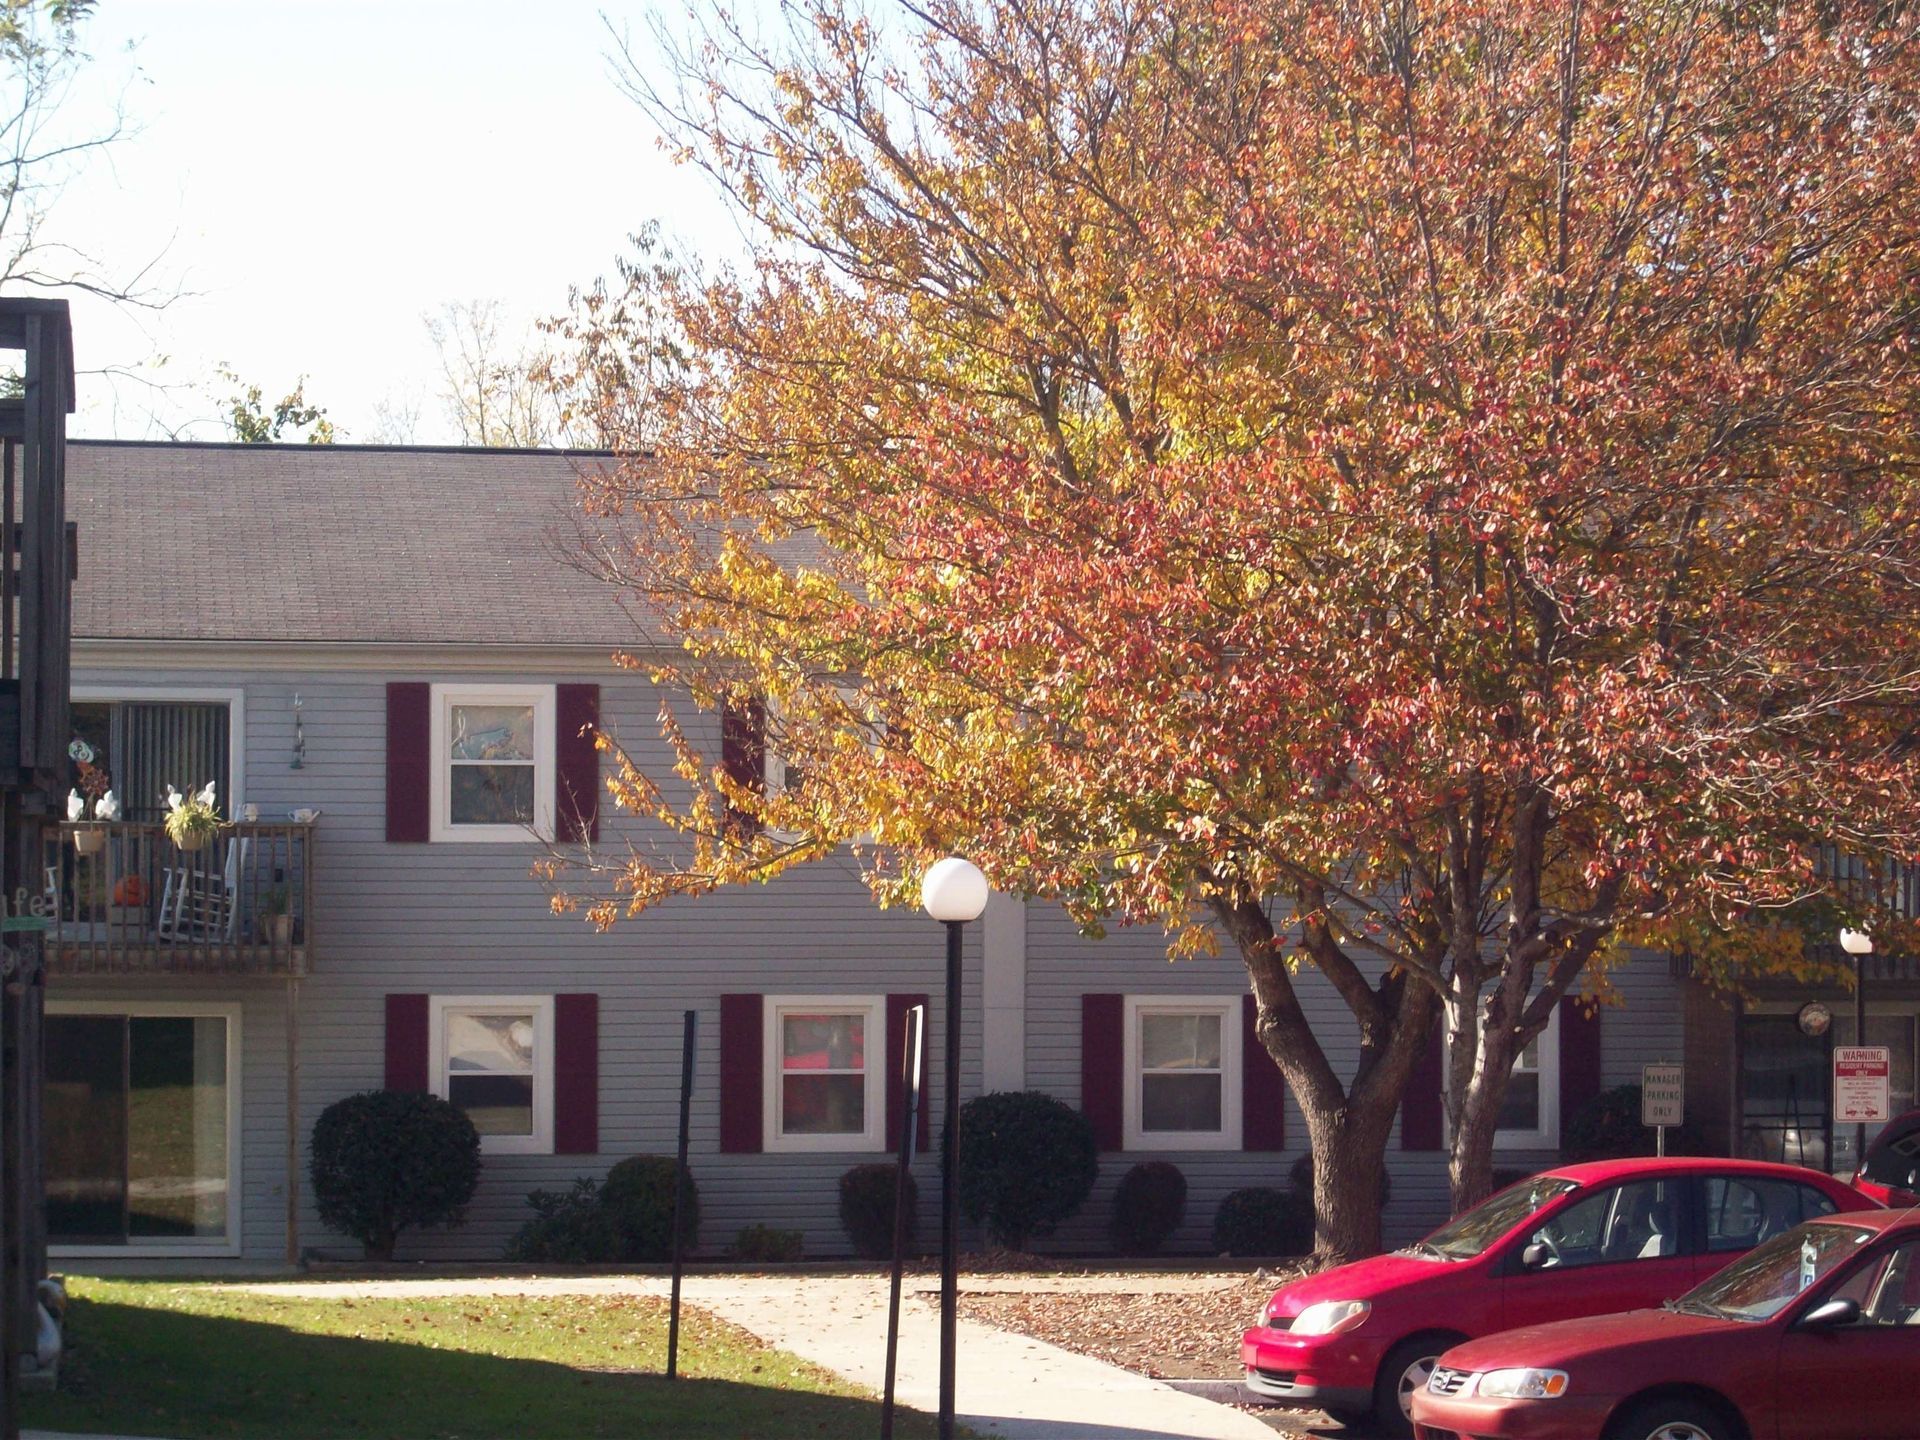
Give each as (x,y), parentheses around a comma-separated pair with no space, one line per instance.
(1470,1167)
(1349,1165)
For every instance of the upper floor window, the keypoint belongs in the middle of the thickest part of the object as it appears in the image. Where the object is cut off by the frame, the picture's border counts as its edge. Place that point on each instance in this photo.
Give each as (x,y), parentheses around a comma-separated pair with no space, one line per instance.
(1182,1064)
(493,749)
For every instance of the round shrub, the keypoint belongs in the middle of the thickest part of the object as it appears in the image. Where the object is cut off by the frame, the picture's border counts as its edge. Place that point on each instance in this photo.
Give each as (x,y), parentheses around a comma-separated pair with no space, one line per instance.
(765,1245)
(1263,1221)
(1608,1127)
(387,1160)
(639,1193)
(1027,1162)
(866,1209)
(1148,1206)
(570,1227)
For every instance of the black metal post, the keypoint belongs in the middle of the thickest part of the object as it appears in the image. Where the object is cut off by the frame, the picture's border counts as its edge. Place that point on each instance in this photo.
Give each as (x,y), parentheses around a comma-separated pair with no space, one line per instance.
(949,1177)
(911,1051)
(680,1190)
(1859,1038)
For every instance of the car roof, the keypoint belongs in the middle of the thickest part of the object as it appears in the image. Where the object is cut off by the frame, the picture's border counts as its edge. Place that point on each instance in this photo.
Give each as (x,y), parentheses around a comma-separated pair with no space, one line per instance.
(1878,1220)
(1597,1172)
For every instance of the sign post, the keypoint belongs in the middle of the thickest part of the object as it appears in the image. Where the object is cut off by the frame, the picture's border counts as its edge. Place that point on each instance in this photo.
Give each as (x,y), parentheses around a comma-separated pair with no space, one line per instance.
(1663,1101)
(1862,1076)
(916,1023)
(680,1190)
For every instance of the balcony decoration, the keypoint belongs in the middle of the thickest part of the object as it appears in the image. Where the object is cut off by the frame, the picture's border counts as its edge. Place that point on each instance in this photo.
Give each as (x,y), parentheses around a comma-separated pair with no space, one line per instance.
(94,792)
(192,820)
(276,914)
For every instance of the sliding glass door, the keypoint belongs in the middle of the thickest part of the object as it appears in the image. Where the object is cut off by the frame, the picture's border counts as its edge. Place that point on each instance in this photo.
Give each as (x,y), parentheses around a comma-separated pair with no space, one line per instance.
(139,1127)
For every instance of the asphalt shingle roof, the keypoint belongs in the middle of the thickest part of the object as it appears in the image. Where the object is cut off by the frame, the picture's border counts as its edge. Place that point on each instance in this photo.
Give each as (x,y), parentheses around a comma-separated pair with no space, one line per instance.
(185,541)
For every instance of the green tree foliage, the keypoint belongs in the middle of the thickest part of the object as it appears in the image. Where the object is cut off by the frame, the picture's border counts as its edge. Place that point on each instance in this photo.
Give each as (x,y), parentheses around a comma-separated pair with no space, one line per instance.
(249,421)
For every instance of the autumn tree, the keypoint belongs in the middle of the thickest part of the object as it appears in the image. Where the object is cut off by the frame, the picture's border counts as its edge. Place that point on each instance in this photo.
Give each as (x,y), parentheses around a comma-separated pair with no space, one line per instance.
(491,388)
(249,421)
(1423,493)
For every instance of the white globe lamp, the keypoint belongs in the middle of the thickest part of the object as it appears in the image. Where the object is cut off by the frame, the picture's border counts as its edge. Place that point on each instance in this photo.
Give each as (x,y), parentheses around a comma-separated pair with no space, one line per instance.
(954,891)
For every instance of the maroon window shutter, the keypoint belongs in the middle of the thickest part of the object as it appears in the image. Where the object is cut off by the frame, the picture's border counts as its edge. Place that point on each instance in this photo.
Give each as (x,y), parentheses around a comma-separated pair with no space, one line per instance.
(743,753)
(742,1073)
(1423,1108)
(407,1042)
(1102,1066)
(409,760)
(1263,1090)
(576,1074)
(897,1008)
(1579,1057)
(576,763)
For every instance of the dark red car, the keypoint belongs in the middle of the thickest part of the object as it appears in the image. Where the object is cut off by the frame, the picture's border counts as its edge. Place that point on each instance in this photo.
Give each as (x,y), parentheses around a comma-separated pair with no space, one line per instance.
(1891,1173)
(1590,1239)
(1814,1335)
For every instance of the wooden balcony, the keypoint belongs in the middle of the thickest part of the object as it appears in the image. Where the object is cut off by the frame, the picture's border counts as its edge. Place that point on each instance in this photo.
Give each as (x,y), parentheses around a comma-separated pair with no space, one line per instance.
(122,899)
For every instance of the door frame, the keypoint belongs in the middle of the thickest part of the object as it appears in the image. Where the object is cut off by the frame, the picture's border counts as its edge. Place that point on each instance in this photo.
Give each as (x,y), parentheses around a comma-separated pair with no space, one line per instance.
(228,1245)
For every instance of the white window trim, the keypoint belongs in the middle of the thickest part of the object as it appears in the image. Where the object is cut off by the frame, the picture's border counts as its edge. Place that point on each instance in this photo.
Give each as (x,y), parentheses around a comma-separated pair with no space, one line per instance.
(1546,1136)
(540,1142)
(229,1244)
(873,1137)
(235,700)
(444,698)
(1229,1135)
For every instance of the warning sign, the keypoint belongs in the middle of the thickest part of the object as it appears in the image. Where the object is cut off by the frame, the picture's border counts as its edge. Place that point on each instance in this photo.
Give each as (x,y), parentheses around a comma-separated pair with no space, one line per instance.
(1663,1095)
(1860,1083)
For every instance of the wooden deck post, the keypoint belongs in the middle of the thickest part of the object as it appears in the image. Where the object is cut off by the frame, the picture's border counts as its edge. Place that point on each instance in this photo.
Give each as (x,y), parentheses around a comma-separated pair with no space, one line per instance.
(293,1120)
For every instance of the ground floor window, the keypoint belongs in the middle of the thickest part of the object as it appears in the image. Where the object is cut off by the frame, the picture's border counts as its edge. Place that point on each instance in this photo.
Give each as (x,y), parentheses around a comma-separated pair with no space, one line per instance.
(141,1126)
(1182,1065)
(824,1073)
(492,1056)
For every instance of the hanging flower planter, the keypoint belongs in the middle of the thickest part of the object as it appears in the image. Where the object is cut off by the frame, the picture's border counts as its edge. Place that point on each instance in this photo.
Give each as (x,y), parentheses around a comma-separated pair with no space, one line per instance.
(191,819)
(90,839)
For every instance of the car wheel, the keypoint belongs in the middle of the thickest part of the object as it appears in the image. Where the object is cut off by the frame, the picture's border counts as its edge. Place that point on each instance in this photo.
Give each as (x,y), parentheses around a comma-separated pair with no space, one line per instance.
(1676,1419)
(1405,1370)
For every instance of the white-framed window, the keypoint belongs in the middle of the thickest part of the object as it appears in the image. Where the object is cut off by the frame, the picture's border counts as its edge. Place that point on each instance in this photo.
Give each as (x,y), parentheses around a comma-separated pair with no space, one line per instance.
(1182,1064)
(492,1057)
(825,1073)
(142,1127)
(1530,1115)
(493,748)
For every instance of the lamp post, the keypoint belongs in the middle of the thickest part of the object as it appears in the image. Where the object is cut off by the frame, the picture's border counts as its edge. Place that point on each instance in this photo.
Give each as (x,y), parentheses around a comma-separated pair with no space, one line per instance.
(953,892)
(1859,945)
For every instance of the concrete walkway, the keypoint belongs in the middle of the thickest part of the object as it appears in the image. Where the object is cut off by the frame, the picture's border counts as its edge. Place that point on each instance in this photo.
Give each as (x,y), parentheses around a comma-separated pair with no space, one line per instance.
(1008,1385)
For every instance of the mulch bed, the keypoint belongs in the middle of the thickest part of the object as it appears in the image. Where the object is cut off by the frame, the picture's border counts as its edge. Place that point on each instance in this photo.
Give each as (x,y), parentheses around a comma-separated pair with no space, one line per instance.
(1191,1336)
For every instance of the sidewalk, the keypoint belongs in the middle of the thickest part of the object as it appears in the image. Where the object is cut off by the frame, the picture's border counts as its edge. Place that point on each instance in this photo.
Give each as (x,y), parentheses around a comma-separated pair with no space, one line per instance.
(1007,1385)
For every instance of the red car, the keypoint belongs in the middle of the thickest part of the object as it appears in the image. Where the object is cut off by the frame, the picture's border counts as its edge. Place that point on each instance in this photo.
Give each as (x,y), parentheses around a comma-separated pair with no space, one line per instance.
(1590,1239)
(1815,1335)
(1891,1173)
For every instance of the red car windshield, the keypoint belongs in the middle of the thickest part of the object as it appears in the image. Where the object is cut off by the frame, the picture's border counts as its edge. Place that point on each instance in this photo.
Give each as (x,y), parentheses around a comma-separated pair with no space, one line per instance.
(1766,1280)
(1466,1236)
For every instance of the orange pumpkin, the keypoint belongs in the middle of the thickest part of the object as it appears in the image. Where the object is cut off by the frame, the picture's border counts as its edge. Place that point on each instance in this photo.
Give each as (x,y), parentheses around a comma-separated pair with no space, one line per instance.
(130,890)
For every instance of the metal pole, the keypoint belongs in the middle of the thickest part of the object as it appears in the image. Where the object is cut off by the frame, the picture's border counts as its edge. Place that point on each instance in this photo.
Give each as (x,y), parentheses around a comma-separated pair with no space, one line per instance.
(1859,1038)
(680,1190)
(949,1176)
(916,1019)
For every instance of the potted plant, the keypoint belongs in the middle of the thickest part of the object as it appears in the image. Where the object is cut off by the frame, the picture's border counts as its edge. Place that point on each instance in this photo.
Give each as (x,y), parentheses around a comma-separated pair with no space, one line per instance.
(192,820)
(94,792)
(276,914)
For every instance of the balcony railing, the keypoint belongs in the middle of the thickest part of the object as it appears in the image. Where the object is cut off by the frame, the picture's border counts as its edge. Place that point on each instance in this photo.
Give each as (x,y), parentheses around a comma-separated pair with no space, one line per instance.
(121,898)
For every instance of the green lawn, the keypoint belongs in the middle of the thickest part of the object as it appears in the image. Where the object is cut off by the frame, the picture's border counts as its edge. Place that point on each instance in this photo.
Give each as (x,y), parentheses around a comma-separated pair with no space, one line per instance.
(193,1361)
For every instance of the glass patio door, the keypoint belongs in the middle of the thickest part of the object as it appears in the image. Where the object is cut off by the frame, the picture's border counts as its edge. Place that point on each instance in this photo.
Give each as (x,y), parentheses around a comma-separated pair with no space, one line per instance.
(136,1129)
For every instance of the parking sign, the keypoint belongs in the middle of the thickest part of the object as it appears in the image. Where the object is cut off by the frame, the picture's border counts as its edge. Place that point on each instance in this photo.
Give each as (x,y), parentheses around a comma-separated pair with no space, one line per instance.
(1663,1095)
(1861,1075)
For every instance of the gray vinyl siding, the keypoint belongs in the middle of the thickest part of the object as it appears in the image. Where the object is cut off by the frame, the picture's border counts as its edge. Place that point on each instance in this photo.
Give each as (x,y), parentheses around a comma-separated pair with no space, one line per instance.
(464,919)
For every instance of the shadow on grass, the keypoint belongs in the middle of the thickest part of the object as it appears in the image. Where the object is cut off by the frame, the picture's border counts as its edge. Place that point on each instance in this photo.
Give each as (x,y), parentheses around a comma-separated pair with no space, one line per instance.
(136,1370)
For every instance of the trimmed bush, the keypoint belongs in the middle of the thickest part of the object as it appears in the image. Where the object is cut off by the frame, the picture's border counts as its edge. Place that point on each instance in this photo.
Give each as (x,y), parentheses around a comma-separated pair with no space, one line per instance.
(386,1161)
(639,1192)
(570,1227)
(1027,1162)
(866,1209)
(1608,1127)
(764,1245)
(1148,1206)
(1261,1220)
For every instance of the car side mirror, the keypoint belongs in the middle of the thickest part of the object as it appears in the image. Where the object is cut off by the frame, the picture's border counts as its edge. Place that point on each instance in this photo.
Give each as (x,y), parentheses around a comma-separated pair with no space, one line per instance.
(1536,1256)
(1831,1315)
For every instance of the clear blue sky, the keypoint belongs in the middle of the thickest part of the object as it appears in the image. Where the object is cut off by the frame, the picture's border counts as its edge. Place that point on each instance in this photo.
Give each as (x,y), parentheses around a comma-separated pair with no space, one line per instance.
(320,173)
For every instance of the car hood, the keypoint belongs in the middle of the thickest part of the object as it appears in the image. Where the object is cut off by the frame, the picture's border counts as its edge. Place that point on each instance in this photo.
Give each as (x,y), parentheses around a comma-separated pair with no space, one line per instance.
(1366,1280)
(1566,1342)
